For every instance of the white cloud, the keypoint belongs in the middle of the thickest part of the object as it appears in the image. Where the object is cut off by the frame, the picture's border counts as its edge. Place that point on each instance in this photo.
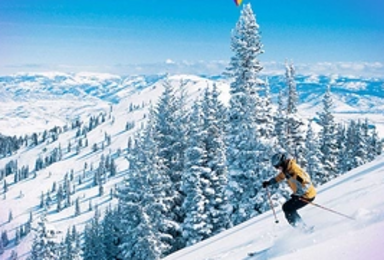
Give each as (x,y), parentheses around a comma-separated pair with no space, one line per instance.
(169,61)
(358,69)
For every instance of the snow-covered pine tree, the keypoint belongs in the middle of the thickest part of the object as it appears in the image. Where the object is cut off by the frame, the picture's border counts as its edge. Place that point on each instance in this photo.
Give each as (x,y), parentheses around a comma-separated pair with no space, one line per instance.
(17,236)
(102,168)
(76,240)
(293,98)
(349,145)
(328,142)
(295,131)
(218,108)
(69,249)
(67,191)
(280,120)
(243,143)
(44,247)
(77,207)
(343,156)
(1,247)
(214,145)
(265,115)
(112,168)
(313,155)
(112,233)
(370,152)
(10,216)
(93,247)
(59,198)
(170,139)
(4,238)
(142,201)
(196,226)
(5,186)
(359,152)
(376,145)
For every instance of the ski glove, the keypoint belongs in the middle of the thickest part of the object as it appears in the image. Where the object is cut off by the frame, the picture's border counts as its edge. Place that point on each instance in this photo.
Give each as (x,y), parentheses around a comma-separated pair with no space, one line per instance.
(266,184)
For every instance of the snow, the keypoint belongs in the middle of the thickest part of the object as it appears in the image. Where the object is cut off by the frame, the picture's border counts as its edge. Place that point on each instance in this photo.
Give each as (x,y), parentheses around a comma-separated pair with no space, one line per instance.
(358,193)
(52,102)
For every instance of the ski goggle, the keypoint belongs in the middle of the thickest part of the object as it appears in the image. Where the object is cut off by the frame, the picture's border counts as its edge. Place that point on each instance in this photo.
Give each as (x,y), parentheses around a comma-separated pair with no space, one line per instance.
(277,165)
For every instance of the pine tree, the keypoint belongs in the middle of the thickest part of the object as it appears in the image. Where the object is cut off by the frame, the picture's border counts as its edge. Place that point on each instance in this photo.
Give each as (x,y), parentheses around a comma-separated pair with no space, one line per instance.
(5,186)
(93,240)
(70,250)
(314,166)
(349,146)
(328,145)
(343,156)
(216,179)
(59,198)
(113,167)
(280,120)
(169,118)
(196,223)
(359,152)
(67,191)
(265,115)
(76,241)
(28,224)
(295,135)
(243,141)
(4,238)
(1,246)
(292,92)
(142,201)
(77,207)
(376,145)
(17,236)
(112,233)
(43,247)
(368,134)
(10,216)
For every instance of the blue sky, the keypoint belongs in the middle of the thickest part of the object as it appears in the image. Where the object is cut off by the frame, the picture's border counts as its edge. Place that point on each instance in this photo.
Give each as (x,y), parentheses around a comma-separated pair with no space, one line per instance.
(123,36)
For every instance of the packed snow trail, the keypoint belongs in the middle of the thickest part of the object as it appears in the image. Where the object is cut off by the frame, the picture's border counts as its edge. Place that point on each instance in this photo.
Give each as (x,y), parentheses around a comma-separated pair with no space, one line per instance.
(358,194)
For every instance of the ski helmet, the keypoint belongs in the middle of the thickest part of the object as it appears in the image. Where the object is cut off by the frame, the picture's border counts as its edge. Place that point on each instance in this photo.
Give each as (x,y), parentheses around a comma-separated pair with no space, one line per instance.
(278,159)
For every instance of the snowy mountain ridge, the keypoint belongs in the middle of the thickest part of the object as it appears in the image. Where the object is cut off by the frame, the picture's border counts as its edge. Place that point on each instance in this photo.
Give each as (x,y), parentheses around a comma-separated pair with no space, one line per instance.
(44,100)
(107,87)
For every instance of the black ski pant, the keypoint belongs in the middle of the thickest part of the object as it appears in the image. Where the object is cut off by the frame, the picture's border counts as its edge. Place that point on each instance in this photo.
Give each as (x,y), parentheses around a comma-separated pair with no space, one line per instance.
(290,208)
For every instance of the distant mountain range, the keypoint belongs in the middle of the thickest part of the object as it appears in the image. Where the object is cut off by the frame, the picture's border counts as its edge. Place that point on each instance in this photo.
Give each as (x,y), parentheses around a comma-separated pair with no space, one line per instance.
(38,100)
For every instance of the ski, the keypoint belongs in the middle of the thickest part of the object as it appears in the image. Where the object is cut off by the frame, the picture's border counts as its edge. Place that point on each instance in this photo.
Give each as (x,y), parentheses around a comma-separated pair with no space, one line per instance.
(259,252)
(306,229)
(309,229)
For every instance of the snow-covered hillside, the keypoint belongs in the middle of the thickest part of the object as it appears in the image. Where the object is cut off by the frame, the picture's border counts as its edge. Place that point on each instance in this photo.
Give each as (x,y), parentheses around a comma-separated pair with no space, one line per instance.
(36,102)
(24,197)
(358,193)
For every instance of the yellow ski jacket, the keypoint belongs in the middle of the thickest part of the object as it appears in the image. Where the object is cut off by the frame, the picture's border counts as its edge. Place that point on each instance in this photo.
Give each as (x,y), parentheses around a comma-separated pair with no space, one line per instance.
(298,180)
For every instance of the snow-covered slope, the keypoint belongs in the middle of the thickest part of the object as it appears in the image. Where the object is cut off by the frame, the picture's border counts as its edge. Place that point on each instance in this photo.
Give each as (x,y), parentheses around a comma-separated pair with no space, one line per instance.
(23,197)
(358,193)
(37,102)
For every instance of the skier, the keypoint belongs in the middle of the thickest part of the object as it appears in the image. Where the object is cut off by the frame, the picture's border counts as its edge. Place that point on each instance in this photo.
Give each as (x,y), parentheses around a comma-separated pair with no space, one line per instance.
(300,183)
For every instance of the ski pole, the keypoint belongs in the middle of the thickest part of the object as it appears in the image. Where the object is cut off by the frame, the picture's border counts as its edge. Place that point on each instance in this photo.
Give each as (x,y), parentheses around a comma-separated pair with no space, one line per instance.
(322,207)
(271,205)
